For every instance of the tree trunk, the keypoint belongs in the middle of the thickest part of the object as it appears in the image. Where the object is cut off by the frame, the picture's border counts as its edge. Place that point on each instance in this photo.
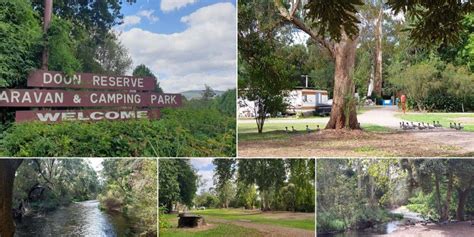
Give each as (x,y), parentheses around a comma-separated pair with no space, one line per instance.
(378,55)
(260,116)
(7,179)
(462,198)
(447,201)
(343,113)
(438,195)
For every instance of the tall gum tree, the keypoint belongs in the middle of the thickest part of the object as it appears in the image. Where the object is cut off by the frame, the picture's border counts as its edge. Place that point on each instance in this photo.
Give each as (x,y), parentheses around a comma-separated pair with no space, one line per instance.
(343,52)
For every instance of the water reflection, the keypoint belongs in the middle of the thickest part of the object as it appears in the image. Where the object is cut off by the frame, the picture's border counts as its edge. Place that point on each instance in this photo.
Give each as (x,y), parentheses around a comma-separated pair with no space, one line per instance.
(381,229)
(78,219)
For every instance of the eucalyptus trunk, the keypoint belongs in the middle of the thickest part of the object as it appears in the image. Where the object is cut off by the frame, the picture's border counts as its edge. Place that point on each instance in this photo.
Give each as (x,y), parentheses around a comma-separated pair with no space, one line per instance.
(343,113)
(378,54)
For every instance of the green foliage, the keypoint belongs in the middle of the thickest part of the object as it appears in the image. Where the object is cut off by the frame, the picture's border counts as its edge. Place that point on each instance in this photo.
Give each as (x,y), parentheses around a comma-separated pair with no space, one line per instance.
(131,189)
(182,132)
(434,21)
(21,33)
(207,199)
(264,74)
(177,182)
(246,196)
(354,193)
(96,17)
(46,184)
(327,222)
(61,47)
(226,103)
(143,71)
(337,17)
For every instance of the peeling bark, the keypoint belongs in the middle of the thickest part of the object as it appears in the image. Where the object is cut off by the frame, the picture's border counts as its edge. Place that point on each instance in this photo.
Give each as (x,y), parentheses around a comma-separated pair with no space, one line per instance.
(378,55)
(343,113)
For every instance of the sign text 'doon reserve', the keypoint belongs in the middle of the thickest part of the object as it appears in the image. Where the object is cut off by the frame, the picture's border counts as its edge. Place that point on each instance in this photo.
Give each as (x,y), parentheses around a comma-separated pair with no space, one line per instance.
(85,115)
(61,98)
(52,79)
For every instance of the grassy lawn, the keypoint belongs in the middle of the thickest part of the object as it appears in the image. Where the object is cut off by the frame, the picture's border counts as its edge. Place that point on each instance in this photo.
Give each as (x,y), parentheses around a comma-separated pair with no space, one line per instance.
(466,119)
(276,131)
(218,230)
(376,128)
(263,218)
(272,131)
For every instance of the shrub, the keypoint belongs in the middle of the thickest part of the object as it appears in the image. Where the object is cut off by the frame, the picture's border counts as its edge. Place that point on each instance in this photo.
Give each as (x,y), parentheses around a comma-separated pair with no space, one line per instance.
(328,222)
(183,132)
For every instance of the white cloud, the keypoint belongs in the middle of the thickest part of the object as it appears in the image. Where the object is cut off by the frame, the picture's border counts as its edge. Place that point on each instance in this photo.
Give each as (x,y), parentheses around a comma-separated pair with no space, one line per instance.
(204,53)
(201,163)
(202,166)
(171,5)
(149,15)
(206,178)
(137,18)
(130,21)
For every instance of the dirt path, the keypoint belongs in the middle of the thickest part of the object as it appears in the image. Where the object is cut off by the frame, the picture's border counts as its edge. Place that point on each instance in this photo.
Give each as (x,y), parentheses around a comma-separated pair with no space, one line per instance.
(462,229)
(267,230)
(382,116)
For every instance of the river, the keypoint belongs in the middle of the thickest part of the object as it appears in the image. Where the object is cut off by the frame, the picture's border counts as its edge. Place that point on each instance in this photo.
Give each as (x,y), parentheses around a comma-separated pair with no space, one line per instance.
(78,219)
(381,229)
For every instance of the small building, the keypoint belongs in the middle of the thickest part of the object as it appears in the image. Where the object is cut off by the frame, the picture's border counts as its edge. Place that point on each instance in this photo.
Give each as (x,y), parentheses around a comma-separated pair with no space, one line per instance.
(304,98)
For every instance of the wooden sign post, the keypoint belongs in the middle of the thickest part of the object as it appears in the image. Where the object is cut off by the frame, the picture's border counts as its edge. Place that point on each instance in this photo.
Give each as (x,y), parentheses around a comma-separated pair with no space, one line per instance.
(124,97)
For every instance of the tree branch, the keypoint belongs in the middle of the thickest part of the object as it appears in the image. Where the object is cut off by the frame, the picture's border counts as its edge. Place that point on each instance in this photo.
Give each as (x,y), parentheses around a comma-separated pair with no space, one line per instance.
(302,26)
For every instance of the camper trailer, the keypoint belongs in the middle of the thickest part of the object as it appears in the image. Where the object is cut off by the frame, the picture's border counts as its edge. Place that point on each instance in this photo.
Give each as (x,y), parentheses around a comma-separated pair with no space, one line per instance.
(306,101)
(302,99)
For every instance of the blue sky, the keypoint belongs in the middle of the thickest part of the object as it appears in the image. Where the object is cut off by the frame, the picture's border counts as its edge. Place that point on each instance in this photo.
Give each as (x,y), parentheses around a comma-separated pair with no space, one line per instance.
(186,43)
(205,169)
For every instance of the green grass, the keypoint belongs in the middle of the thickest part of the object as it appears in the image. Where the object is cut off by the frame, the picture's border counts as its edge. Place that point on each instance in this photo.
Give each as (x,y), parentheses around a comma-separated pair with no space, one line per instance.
(218,230)
(443,118)
(276,131)
(234,214)
(272,131)
(376,128)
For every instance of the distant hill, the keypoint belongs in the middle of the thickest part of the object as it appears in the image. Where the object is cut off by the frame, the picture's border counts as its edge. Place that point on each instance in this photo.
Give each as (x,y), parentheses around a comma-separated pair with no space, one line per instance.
(196,94)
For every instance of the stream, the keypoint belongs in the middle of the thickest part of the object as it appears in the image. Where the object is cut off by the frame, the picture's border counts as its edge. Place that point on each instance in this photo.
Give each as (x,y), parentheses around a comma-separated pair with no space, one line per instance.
(78,219)
(381,229)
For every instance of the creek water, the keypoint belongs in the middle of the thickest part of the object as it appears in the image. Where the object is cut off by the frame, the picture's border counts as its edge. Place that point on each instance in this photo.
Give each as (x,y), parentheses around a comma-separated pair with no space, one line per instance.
(381,229)
(78,219)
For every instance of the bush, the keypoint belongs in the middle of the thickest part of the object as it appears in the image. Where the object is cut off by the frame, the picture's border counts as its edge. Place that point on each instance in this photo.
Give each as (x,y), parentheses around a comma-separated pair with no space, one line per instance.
(183,132)
(327,223)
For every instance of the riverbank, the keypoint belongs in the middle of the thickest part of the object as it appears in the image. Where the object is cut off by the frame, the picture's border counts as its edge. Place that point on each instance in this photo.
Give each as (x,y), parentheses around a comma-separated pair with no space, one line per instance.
(459,229)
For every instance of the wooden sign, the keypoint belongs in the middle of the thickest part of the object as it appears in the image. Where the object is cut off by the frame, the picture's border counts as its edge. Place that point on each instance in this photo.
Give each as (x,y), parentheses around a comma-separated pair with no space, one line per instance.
(62,98)
(85,115)
(52,79)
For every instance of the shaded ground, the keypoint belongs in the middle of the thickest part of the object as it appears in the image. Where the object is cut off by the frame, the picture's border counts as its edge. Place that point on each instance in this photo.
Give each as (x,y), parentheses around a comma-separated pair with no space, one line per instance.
(328,143)
(462,229)
(381,137)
